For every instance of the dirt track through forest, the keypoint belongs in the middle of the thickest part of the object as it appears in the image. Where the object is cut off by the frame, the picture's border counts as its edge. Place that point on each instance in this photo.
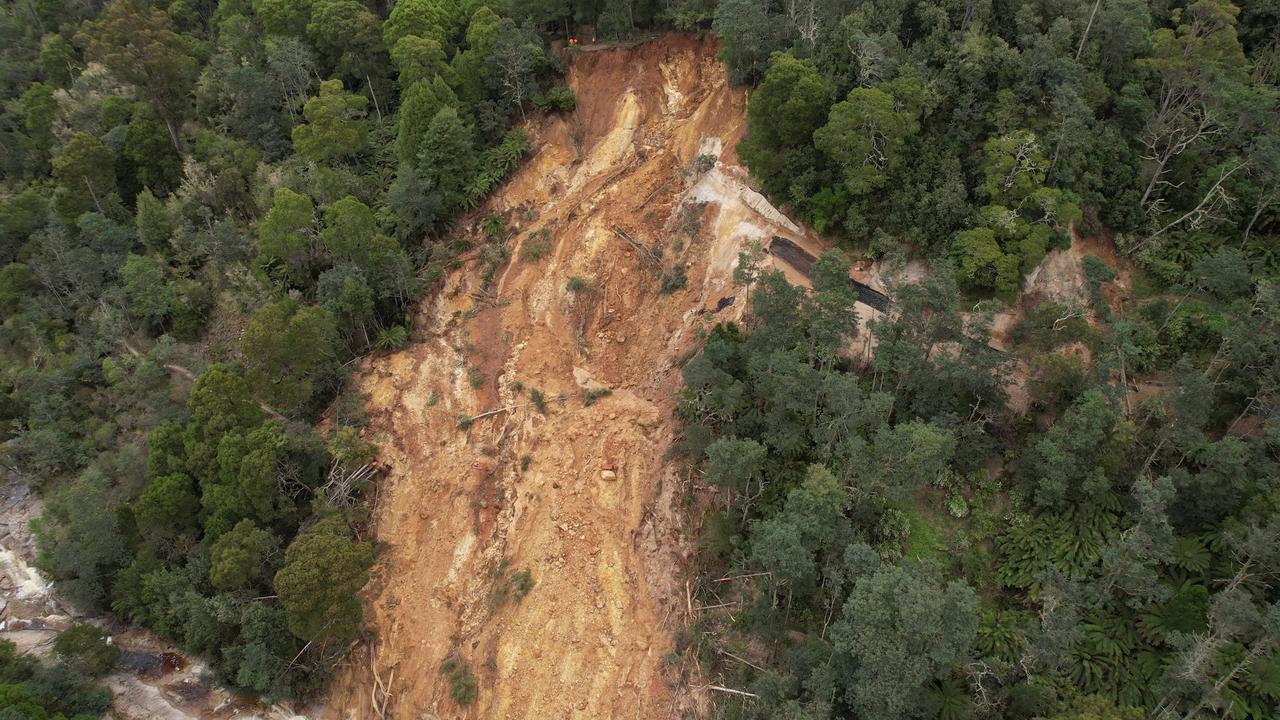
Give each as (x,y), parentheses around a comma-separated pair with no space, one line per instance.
(584,496)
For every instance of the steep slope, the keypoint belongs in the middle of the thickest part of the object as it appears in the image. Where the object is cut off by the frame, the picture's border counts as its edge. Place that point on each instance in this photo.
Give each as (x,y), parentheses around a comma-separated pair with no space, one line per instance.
(583,494)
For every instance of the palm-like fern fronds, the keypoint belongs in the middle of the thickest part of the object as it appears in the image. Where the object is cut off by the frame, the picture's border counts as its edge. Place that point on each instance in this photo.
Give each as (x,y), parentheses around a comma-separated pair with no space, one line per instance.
(1185,612)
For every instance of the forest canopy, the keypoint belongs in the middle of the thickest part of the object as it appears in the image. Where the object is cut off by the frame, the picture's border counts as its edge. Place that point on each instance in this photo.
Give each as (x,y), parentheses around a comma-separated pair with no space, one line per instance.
(1073,517)
(209,209)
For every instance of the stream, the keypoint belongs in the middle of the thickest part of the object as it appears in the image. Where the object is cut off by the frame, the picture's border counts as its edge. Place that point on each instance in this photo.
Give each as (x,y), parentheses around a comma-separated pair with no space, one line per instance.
(152,680)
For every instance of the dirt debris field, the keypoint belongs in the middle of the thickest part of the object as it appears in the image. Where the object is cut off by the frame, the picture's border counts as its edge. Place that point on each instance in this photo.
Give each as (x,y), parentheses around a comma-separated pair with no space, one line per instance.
(640,179)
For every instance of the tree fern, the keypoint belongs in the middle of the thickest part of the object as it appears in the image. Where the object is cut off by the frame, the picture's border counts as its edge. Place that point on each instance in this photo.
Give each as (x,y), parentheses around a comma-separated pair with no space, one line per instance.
(392,338)
(999,633)
(1110,660)
(950,697)
(1191,554)
(1185,612)
(1072,542)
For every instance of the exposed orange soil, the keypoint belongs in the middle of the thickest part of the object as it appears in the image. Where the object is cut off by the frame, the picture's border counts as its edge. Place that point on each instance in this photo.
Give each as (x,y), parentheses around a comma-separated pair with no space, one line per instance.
(583,496)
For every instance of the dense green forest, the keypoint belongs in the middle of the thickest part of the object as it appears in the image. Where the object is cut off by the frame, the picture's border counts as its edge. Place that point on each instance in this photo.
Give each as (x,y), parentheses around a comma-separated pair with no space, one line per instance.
(61,688)
(889,540)
(208,209)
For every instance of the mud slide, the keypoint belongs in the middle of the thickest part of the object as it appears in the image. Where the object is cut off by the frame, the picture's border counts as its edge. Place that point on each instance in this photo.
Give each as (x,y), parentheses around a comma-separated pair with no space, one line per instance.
(483,483)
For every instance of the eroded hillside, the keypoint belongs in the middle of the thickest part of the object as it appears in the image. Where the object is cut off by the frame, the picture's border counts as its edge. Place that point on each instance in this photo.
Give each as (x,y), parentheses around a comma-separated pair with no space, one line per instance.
(615,197)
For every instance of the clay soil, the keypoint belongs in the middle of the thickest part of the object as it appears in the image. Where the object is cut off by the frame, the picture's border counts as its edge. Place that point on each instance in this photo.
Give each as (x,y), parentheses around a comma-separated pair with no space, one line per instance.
(585,495)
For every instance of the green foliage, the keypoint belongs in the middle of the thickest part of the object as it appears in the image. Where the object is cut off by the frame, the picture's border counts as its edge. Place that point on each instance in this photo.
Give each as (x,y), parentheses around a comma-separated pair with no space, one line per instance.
(177,174)
(335,126)
(395,337)
(347,37)
(559,98)
(750,35)
(419,104)
(1096,707)
(673,280)
(420,58)
(323,569)
(1079,458)
(447,156)
(790,104)
(1186,612)
(81,541)
(591,395)
(291,349)
(241,556)
(902,630)
(424,18)
(981,263)
(85,648)
(35,690)
(510,586)
(536,246)
(957,160)
(1070,544)
(865,133)
(149,190)
(286,235)
(146,290)
(149,152)
(138,45)
(166,512)
(462,683)
(497,164)
(85,174)
(539,400)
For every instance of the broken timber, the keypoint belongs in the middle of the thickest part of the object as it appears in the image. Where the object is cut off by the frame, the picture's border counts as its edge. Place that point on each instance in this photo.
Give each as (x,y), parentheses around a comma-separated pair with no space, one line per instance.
(644,252)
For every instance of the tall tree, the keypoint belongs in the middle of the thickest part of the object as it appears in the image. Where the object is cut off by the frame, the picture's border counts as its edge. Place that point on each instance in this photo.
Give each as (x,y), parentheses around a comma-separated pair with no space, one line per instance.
(866,132)
(138,44)
(291,350)
(323,570)
(335,127)
(900,630)
(287,236)
(789,105)
(1189,64)
(85,170)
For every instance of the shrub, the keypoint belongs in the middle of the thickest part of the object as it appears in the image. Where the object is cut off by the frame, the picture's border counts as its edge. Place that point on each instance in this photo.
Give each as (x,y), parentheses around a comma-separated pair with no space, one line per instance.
(498,162)
(673,280)
(556,99)
(510,586)
(576,283)
(392,338)
(589,397)
(85,648)
(1050,325)
(536,246)
(462,683)
(1096,270)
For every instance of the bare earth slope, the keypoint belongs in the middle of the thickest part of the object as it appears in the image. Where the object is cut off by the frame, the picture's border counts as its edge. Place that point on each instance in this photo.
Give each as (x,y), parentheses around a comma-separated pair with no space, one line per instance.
(581,495)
